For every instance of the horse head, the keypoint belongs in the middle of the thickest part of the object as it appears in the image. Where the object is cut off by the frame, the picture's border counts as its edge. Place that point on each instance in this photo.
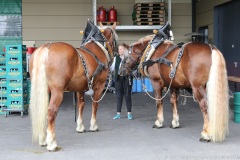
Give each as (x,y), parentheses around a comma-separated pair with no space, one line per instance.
(111,36)
(135,51)
(104,36)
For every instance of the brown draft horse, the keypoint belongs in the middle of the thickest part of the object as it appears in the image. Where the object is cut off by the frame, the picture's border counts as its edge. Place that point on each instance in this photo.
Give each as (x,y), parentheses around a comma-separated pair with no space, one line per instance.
(58,67)
(201,68)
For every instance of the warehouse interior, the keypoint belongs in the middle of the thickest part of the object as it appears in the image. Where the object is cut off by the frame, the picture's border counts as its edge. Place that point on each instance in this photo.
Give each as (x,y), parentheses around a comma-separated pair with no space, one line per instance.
(26,25)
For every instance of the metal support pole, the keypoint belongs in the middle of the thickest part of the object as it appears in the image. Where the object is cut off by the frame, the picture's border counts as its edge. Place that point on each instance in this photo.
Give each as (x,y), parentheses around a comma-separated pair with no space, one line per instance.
(170,11)
(94,11)
(75,105)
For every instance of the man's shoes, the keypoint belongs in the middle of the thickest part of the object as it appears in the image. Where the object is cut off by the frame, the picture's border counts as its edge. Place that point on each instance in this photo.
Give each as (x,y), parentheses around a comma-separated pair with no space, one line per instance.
(117,116)
(130,117)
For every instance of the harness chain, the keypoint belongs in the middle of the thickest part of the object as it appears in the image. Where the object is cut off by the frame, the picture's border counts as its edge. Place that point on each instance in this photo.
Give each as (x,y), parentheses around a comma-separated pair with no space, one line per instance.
(91,80)
(172,72)
(86,72)
(100,64)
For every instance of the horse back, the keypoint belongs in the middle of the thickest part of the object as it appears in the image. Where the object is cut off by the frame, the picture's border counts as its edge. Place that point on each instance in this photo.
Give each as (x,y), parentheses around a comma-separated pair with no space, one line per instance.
(193,67)
(195,64)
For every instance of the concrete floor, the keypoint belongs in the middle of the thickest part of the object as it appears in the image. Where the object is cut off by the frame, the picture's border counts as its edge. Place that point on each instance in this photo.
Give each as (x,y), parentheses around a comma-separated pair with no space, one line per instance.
(120,139)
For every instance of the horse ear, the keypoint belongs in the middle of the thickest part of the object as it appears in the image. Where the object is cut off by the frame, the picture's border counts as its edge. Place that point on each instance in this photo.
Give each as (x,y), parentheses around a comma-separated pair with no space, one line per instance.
(125,45)
(100,24)
(114,25)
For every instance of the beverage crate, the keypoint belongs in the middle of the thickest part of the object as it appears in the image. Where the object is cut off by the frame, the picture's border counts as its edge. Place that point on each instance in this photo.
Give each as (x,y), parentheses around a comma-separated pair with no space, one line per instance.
(16,73)
(3,88)
(3,91)
(16,62)
(3,72)
(19,61)
(3,101)
(16,106)
(16,83)
(3,105)
(17,97)
(2,57)
(15,50)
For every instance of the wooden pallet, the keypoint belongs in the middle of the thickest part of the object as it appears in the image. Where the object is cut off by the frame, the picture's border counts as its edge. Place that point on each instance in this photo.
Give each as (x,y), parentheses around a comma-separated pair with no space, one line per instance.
(148,12)
(149,8)
(108,23)
(149,16)
(161,4)
(149,23)
(149,19)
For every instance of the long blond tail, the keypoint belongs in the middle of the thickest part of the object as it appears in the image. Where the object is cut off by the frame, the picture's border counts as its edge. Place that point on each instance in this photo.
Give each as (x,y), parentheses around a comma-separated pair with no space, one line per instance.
(217,94)
(39,95)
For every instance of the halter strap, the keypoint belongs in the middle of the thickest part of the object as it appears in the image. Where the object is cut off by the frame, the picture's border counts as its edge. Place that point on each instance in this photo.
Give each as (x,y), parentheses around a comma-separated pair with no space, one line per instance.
(100,64)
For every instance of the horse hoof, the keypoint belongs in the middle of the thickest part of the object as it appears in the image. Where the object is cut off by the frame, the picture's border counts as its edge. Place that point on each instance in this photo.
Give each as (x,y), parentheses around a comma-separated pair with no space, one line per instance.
(55,150)
(83,131)
(204,140)
(155,126)
(43,145)
(174,127)
(94,130)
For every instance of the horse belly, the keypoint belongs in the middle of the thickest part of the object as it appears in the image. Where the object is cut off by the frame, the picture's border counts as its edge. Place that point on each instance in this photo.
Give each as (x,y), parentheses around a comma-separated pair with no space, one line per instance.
(77,84)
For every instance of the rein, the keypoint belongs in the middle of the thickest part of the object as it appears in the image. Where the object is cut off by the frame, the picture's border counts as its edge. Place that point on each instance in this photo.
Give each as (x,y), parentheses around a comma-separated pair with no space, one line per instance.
(132,59)
(145,89)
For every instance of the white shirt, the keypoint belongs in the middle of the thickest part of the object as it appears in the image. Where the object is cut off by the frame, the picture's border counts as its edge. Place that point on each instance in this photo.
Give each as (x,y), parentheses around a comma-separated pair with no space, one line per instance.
(113,64)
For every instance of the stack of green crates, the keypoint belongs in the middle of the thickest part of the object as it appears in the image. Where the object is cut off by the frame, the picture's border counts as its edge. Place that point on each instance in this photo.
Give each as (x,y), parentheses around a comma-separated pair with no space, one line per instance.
(10,23)
(3,86)
(17,98)
(3,96)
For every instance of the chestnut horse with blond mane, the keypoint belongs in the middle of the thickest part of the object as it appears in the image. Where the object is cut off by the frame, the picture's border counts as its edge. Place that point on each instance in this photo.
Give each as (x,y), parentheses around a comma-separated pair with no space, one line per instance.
(198,66)
(58,67)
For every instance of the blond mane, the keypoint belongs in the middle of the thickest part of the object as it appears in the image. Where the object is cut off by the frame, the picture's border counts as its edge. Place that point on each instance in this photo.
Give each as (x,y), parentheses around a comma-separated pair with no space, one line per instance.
(147,38)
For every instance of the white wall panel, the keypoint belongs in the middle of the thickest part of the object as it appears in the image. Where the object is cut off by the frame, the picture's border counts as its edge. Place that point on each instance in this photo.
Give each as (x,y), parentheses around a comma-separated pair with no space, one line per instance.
(55,21)
(57,9)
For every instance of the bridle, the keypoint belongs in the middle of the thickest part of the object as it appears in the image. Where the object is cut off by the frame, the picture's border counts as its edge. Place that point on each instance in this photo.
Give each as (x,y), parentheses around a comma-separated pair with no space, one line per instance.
(111,46)
(134,61)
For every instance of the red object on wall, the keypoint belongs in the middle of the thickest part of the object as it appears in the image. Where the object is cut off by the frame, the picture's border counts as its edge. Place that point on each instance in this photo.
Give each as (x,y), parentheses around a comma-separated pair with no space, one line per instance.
(30,50)
(112,15)
(101,14)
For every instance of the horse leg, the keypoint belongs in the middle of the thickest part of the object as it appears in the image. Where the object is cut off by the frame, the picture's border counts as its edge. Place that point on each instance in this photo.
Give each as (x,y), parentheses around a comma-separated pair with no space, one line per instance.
(201,96)
(55,101)
(97,94)
(159,122)
(173,100)
(80,98)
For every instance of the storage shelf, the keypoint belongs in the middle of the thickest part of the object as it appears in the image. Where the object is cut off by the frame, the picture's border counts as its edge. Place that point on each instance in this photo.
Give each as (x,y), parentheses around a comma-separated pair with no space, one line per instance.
(137,28)
(133,27)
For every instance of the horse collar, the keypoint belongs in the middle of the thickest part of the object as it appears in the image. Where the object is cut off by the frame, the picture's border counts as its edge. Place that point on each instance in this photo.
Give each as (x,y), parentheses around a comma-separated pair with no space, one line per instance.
(92,33)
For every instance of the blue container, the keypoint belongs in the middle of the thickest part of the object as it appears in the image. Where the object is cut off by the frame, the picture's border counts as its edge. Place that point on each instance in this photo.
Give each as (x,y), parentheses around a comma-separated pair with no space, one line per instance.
(236,103)
(134,87)
(148,84)
(139,85)
(143,82)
